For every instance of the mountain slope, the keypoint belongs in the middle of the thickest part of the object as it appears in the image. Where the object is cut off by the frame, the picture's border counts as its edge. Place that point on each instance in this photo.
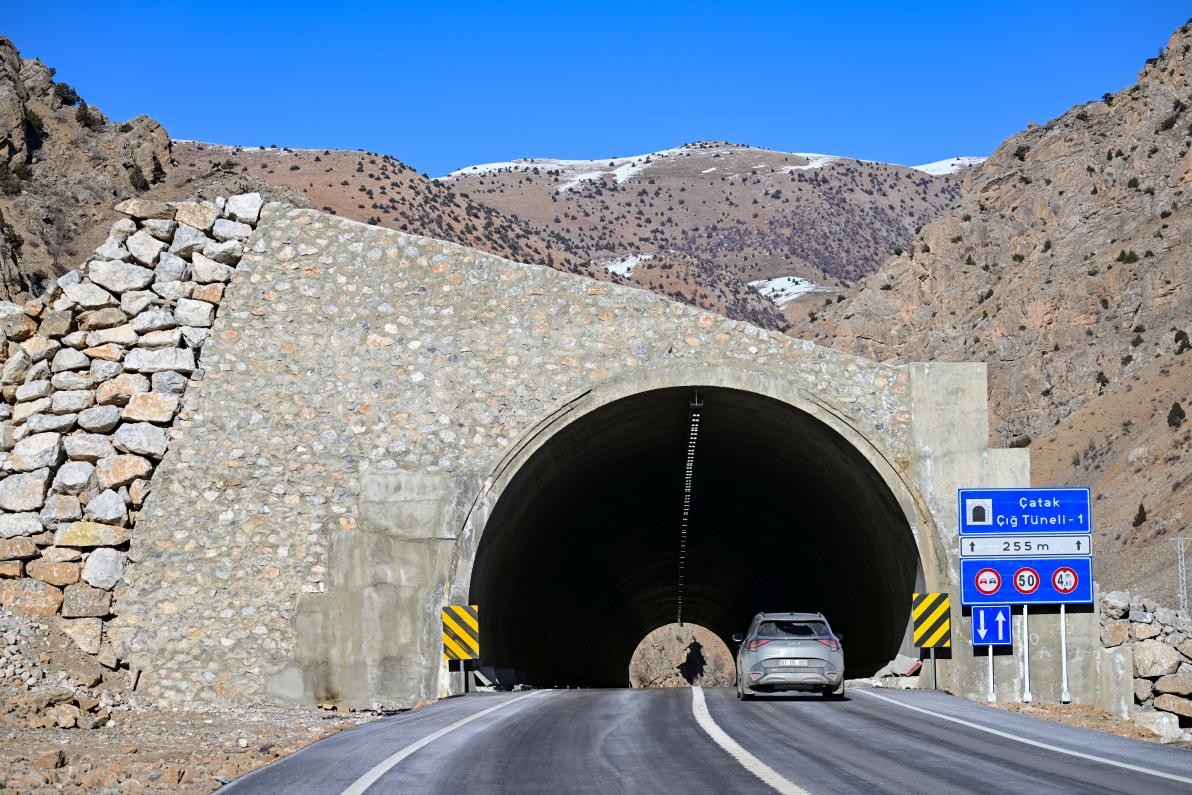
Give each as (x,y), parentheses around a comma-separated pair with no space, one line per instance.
(380,189)
(749,214)
(1064,266)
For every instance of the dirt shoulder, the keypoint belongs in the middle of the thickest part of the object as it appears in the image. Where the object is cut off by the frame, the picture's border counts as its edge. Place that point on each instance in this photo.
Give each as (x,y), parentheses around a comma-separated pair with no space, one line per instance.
(1086,716)
(143,751)
(71,722)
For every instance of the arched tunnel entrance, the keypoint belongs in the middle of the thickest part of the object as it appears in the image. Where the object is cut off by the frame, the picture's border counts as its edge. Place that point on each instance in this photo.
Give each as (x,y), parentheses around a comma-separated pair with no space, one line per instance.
(579,558)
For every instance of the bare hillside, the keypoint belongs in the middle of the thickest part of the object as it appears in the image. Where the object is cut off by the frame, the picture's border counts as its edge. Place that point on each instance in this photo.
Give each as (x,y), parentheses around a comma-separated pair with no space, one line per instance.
(380,189)
(797,226)
(1065,266)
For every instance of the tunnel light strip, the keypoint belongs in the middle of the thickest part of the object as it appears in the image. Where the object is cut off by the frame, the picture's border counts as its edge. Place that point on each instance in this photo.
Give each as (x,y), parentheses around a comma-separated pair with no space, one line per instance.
(688,473)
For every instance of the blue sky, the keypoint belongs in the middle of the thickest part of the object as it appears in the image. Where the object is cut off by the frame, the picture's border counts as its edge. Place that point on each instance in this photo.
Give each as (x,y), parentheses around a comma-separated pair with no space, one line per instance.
(443,85)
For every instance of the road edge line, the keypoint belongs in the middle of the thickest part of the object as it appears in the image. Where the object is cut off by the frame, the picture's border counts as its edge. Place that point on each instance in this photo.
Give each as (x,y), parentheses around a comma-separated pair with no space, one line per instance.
(361,784)
(757,767)
(1036,743)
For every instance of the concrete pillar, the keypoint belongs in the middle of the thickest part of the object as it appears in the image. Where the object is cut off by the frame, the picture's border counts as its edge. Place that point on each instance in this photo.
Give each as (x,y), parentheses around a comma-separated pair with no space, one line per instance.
(950,429)
(374,635)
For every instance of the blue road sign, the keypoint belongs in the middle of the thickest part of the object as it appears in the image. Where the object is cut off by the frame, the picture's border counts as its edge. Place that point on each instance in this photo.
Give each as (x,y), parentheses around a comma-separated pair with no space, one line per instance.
(1030,511)
(992,626)
(1026,581)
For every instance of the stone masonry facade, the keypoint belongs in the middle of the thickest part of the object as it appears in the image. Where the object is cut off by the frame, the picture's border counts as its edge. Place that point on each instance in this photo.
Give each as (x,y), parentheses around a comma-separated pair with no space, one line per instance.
(344,352)
(248,450)
(93,377)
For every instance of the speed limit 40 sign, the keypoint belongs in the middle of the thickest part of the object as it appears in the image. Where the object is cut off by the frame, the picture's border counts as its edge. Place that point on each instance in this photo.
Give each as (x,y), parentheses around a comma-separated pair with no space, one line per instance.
(1019,581)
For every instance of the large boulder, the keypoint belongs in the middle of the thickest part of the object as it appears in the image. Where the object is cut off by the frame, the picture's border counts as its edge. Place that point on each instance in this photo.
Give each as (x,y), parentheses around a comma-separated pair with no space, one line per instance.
(24,492)
(104,568)
(1180,684)
(90,534)
(37,451)
(120,277)
(1154,658)
(155,360)
(1164,725)
(245,207)
(1170,703)
(140,438)
(30,598)
(1115,604)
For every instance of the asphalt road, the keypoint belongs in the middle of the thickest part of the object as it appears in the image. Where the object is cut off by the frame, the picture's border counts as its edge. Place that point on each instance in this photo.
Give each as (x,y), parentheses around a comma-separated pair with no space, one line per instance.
(688,741)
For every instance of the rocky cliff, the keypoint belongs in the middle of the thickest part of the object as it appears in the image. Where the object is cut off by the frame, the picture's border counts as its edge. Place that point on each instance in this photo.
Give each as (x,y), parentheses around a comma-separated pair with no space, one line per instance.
(62,165)
(1065,266)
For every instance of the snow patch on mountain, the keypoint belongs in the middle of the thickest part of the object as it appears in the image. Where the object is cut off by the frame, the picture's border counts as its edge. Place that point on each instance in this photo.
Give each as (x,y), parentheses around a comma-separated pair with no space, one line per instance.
(624,266)
(784,289)
(949,166)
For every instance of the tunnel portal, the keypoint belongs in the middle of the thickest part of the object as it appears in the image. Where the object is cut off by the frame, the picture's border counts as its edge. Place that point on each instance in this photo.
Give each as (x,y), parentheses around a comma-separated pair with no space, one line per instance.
(579,559)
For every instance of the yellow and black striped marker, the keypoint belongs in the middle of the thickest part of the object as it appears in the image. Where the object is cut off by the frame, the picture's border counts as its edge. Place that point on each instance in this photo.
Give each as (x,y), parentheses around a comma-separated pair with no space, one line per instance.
(932,615)
(461,632)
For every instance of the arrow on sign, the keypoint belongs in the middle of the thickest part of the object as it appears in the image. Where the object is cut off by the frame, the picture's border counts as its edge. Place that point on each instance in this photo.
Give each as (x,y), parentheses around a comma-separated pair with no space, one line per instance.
(972,546)
(981,629)
(1078,546)
(1001,623)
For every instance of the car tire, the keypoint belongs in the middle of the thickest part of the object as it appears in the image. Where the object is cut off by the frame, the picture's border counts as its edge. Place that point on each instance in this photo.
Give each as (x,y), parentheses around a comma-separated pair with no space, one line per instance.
(833,695)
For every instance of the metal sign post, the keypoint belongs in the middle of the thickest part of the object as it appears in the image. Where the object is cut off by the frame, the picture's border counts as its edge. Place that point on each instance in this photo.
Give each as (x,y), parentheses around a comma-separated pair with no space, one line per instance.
(1026,657)
(992,694)
(1065,695)
(992,625)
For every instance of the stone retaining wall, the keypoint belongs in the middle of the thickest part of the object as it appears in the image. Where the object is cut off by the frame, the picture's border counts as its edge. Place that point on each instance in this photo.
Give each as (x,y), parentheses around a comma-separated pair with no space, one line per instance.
(1160,641)
(92,382)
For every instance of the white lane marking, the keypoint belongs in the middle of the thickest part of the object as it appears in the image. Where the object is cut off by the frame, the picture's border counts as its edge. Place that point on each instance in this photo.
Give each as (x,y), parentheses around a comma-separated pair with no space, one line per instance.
(368,779)
(747,760)
(1124,765)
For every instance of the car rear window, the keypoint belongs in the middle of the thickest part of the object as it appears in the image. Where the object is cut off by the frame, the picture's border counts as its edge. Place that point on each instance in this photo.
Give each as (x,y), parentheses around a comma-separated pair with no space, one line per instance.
(793,629)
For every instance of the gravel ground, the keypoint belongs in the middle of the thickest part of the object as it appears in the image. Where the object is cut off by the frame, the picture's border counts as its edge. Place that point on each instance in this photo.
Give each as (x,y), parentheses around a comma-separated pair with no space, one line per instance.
(1086,716)
(69,723)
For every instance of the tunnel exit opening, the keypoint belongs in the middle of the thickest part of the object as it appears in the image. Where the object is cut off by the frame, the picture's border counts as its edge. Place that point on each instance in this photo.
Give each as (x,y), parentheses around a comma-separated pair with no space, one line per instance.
(578,559)
(682,655)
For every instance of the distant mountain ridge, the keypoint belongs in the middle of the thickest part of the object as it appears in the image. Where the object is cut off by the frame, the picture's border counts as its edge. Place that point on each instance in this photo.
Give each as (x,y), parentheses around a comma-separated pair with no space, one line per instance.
(748,214)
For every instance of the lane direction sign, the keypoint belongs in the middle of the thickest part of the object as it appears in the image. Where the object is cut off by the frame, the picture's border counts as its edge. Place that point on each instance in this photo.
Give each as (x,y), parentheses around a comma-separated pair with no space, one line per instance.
(1026,581)
(1024,511)
(1026,546)
(992,626)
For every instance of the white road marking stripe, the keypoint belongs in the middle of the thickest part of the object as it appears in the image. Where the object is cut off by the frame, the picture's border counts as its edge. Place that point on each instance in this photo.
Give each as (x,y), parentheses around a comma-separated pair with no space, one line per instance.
(747,760)
(1124,765)
(368,779)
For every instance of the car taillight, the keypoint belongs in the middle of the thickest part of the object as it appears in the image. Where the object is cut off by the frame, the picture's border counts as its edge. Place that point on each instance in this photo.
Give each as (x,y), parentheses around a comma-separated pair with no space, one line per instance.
(754,645)
(830,643)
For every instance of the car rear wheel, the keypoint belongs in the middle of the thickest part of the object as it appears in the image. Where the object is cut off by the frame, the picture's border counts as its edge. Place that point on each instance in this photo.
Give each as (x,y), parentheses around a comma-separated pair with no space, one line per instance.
(742,694)
(833,694)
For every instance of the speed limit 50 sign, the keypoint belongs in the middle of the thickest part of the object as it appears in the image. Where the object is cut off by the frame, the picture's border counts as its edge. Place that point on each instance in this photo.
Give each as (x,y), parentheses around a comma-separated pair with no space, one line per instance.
(1026,581)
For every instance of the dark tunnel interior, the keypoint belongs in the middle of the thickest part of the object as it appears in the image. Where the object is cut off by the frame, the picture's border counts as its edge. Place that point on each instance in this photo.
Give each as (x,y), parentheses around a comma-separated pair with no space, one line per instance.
(579,559)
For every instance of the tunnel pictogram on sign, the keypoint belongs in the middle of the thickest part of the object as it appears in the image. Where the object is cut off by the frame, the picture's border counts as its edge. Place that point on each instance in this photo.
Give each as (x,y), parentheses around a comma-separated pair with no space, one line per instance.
(461,632)
(932,616)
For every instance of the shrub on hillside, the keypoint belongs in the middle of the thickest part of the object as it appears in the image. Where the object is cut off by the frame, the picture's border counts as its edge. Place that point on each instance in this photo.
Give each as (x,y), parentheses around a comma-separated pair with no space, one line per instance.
(66,94)
(136,178)
(88,118)
(1176,417)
